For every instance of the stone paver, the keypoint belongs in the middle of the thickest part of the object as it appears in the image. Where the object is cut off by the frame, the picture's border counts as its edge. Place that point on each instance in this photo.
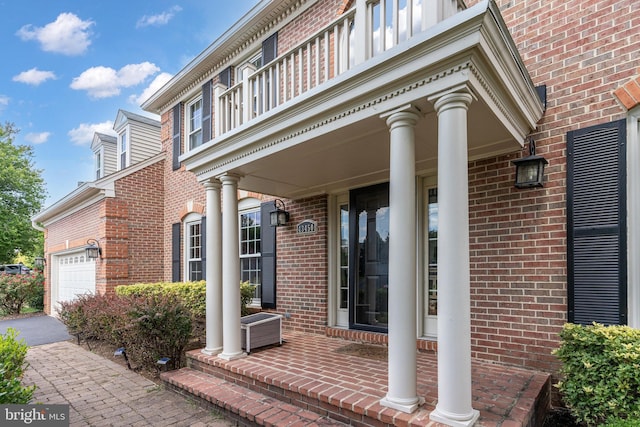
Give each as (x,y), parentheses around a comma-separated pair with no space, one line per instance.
(102,393)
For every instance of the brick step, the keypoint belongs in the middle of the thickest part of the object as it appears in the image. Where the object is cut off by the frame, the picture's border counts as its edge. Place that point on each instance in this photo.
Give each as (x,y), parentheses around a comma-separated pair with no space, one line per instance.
(247,407)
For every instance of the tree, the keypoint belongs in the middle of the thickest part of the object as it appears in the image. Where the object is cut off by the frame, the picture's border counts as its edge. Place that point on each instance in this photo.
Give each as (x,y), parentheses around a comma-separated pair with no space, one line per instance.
(22,194)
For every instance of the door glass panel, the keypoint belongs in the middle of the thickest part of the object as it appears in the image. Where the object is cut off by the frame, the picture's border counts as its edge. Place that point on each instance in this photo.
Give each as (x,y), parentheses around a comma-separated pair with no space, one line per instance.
(433,252)
(370,252)
(344,256)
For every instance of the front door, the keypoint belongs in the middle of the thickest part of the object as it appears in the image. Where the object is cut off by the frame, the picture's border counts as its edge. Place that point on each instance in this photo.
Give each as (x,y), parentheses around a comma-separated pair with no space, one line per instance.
(369,256)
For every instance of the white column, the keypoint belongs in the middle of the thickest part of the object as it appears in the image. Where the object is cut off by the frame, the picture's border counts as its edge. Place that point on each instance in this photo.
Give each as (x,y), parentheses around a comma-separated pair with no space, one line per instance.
(402,393)
(454,318)
(213,269)
(231,339)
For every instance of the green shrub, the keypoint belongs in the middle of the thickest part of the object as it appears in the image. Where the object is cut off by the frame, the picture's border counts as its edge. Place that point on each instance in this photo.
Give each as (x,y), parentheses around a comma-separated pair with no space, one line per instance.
(17,289)
(36,301)
(12,366)
(72,314)
(159,326)
(191,294)
(148,327)
(247,290)
(617,422)
(601,372)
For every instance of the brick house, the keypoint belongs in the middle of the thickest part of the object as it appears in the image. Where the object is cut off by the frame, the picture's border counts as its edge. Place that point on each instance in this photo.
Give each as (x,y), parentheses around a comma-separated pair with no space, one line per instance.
(392,151)
(363,134)
(120,211)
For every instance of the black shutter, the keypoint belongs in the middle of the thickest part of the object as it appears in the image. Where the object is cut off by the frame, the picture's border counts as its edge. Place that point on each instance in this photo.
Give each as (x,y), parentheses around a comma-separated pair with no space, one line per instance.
(268,256)
(206,112)
(203,246)
(596,224)
(175,251)
(270,49)
(225,77)
(176,136)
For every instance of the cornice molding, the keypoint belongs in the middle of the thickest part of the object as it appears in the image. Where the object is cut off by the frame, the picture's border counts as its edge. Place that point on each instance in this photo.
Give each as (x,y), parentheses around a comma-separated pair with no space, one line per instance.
(467,65)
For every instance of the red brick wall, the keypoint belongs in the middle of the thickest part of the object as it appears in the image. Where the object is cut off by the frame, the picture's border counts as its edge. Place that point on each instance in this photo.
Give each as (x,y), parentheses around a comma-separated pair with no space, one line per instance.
(302,284)
(140,231)
(314,19)
(582,51)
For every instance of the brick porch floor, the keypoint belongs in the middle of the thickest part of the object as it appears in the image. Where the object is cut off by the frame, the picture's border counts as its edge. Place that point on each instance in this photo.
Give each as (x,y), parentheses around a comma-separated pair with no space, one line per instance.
(309,381)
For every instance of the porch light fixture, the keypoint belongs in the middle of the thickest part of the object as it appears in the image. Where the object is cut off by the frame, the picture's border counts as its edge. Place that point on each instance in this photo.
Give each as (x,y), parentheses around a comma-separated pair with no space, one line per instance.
(93,249)
(280,216)
(39,262)
(530,169)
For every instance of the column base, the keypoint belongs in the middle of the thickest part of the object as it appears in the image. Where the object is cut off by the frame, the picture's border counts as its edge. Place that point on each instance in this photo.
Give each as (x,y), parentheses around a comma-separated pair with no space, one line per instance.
(211,351)
(454,420)
(232,356)
(407,406)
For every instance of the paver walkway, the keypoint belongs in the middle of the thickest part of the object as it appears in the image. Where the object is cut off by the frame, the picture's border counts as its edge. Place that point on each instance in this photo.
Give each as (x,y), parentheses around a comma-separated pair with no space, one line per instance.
(102,393)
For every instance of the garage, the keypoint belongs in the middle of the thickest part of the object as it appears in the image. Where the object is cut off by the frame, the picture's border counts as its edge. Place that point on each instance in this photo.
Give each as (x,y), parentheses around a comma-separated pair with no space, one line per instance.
(75,275)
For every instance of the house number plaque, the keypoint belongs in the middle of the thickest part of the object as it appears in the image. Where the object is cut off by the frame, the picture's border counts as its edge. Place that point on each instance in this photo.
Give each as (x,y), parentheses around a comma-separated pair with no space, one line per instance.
(308,226)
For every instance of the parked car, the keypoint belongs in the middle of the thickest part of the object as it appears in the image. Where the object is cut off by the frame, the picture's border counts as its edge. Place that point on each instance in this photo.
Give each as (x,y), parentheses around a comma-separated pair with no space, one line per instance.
(14,269)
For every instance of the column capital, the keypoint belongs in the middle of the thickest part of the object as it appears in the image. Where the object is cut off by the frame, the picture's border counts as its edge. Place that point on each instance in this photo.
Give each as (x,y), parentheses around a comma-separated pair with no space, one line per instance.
(229,178)
(407,115)
(211,184)
(458,97)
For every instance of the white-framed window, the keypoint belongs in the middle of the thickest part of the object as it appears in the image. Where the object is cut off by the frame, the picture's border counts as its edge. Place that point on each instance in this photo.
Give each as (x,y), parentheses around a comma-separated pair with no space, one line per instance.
(250,246)
(194,123)
(193,247)
(98,161)
(123,149)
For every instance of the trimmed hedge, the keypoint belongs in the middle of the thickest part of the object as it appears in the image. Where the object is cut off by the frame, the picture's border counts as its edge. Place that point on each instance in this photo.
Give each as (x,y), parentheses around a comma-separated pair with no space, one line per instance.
(601,373)
(191,294)
(12,366)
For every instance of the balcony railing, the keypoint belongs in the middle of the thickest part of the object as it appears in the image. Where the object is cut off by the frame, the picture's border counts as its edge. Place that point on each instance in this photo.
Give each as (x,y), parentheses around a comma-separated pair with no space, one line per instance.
(371,28)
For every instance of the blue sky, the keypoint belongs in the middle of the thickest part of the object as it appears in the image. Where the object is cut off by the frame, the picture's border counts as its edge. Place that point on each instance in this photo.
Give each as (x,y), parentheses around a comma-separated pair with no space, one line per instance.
(69,65)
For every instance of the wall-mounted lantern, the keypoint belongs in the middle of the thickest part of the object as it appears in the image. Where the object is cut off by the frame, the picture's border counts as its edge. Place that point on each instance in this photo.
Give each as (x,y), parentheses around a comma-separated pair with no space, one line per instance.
(530,169)
(39,262)
(280,216)
(92,249)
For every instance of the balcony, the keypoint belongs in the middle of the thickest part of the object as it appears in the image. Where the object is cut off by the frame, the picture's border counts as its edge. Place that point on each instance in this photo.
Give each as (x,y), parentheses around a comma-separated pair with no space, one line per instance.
(337,48)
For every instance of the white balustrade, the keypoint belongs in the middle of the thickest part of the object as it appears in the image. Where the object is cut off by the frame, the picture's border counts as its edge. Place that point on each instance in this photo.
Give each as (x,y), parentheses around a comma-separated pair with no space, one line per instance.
(327,54)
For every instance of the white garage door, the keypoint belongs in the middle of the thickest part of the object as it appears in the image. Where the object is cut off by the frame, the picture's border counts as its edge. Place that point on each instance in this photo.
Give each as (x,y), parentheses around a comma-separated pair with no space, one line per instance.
(76,276)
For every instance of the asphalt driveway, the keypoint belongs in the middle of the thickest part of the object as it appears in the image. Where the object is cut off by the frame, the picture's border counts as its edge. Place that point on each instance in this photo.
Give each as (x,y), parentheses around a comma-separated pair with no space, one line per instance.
(37,330)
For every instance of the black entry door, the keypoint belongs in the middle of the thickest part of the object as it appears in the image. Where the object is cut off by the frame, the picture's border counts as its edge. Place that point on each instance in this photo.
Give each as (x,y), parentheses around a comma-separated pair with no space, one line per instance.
(369,254)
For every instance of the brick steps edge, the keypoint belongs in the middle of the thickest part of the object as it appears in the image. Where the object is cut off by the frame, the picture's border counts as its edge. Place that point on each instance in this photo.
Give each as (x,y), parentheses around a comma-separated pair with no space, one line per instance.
(241,404)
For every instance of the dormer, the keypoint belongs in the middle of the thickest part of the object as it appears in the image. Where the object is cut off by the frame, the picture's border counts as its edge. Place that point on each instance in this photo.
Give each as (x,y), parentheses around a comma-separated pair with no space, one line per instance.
(104,151)
(138,138)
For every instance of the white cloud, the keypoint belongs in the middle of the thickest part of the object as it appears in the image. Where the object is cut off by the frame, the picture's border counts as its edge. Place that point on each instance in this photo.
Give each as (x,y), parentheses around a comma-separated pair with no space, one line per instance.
(159,19)
(153,87)
(34,76)
(68,35)
(37,137)
(83,134)
(104,82)
(4,100)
